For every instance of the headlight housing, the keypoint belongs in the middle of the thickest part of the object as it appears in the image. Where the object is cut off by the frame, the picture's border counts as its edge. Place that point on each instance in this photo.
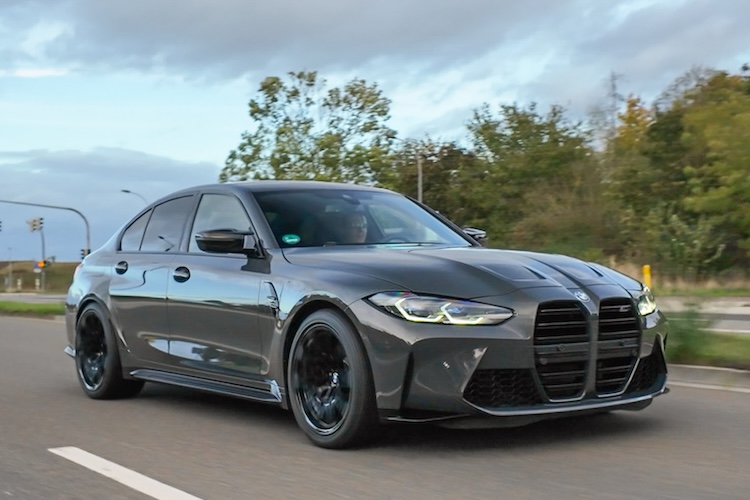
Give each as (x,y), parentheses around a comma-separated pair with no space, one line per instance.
(645,302)
(424,309)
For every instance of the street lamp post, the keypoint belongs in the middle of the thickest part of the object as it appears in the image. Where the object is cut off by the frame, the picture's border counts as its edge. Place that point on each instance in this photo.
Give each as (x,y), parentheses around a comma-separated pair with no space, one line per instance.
(128,191)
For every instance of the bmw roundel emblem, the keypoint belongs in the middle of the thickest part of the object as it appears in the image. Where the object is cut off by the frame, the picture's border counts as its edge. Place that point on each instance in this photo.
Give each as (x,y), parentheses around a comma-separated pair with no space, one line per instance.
(582,296)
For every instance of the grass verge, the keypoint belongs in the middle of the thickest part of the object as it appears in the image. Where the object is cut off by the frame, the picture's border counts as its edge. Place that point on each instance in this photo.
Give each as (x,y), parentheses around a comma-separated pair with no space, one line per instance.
(690,343)
(32,310)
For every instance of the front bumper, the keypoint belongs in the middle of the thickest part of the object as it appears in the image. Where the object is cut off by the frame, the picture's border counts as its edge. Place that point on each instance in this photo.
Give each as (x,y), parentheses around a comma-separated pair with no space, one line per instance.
(441,373)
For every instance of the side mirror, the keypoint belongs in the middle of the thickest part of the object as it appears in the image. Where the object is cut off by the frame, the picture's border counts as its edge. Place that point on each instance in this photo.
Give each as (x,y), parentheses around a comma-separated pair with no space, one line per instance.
(479,235)
(228,241)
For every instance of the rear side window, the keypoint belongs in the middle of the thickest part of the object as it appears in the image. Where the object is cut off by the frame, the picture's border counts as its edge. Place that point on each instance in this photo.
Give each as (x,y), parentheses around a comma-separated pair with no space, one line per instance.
(133,235)
(164,230)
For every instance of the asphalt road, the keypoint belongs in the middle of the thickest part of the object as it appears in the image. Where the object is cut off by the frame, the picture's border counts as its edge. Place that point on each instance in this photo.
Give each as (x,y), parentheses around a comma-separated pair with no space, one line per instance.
(691,443)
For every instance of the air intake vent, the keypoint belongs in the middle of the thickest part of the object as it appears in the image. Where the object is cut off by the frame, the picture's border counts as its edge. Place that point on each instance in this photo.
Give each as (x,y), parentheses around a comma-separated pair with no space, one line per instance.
(561,349)
(496,388)
(646,375)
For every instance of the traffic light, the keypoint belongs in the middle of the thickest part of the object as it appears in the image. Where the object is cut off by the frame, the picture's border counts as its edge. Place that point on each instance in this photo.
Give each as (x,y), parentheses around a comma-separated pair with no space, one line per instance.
(41,264)
(84,253)
(35,224)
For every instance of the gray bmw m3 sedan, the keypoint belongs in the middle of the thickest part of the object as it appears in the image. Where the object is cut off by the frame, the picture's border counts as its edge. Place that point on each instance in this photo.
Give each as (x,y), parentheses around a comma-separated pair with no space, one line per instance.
(354,307)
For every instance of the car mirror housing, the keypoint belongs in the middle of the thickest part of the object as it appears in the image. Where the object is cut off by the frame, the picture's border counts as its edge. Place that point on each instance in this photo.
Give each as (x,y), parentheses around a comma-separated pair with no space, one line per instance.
(227,241)
(480,235)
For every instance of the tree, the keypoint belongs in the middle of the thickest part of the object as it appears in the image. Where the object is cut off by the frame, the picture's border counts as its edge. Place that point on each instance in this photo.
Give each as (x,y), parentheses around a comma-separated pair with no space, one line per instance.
(527,156)
(718,121)
(680,175)
(304,130)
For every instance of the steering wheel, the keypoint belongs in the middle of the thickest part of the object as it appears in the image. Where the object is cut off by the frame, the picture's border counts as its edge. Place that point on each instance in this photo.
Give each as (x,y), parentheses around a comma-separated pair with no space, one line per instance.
(395,239)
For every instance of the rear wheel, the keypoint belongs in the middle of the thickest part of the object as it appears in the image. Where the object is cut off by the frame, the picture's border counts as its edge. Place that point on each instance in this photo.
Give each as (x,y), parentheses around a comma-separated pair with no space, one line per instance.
(330,383)
(97,358)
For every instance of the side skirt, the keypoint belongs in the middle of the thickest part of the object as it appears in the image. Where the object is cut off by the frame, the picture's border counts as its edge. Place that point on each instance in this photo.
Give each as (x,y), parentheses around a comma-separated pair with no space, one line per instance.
(266,392)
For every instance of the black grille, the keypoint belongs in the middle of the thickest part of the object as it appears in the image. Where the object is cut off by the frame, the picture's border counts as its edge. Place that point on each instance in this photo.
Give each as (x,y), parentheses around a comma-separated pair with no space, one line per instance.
(495,388)
(561,349)
(618,344)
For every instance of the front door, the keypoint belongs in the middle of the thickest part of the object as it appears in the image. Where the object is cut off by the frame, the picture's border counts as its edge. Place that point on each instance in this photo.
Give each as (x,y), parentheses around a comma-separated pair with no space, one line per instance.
(213,300)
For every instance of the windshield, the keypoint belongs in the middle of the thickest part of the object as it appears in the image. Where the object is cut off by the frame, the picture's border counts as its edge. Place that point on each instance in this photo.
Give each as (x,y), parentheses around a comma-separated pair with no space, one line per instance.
(319,217)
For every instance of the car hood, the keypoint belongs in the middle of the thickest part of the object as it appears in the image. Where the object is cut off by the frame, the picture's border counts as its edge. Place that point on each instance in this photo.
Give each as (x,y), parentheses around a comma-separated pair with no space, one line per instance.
(467,272)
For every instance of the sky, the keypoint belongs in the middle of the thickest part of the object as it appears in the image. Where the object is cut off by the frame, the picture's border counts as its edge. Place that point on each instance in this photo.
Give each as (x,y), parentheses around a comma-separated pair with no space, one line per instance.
(151,95)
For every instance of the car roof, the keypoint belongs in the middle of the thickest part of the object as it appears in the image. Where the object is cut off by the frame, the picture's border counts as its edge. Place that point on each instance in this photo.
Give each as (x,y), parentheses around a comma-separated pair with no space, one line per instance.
(274,185)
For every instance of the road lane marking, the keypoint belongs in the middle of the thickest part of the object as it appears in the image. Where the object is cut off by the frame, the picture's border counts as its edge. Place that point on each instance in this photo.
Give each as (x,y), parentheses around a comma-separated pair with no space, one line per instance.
(742,390)
(129,478)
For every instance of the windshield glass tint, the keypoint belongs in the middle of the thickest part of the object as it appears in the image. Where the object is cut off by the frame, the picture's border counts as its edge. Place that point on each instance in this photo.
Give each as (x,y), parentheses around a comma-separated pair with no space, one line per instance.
(343,217)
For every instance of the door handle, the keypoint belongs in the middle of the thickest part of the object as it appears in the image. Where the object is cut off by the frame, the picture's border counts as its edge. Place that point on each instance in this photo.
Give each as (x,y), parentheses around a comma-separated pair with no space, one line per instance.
(181,274)
(121,267)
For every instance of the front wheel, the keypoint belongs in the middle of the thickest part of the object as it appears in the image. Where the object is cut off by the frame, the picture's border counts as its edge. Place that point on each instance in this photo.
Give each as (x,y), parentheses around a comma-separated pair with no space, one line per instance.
(97,359)
(330,384)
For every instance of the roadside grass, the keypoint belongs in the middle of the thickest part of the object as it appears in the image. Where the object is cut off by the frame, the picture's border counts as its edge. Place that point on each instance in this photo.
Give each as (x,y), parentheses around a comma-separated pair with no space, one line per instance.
(31,310)
(690,343)
(699,292)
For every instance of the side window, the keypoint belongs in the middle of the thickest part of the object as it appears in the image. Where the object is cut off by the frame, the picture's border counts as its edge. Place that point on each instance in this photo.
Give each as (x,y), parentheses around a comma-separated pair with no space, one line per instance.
(218,211)
(164,230)
(133,235)
(397,226)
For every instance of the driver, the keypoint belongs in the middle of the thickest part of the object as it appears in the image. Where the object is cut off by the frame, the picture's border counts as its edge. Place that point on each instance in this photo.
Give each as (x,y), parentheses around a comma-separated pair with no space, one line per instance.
(355,230)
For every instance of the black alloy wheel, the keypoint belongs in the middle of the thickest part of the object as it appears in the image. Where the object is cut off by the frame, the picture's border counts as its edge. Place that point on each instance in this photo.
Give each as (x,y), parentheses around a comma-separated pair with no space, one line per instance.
(91,350)
(97,359)
(330,384)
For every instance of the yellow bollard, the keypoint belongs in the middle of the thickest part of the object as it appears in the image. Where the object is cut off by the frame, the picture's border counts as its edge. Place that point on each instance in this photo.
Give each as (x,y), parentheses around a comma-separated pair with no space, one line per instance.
(647,275)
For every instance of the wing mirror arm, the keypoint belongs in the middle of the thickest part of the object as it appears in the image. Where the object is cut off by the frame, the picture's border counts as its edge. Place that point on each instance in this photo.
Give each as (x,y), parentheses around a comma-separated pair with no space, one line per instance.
(478,235)
(251,246)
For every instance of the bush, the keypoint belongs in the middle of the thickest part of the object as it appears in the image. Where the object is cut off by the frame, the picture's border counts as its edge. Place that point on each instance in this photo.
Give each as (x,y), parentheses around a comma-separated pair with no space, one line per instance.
(688,336)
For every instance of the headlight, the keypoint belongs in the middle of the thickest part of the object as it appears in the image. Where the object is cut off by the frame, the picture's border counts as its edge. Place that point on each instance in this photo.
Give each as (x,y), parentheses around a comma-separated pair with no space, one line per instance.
(421,309)
(646,302)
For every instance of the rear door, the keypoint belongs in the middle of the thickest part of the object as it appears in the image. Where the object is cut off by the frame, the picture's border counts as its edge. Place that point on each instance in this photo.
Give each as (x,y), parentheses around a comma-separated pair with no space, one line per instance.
(138,289)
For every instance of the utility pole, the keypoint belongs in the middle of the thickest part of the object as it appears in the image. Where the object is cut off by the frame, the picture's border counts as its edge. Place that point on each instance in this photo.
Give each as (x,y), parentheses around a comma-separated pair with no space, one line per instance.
(10,268)
(419,175)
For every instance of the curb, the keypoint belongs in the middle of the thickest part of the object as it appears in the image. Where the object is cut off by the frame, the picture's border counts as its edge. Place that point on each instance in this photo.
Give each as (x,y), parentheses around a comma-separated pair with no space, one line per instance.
(709,376)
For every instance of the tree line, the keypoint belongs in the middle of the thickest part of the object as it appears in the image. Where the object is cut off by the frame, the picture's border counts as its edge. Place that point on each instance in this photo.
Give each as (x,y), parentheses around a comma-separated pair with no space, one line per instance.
(665,183)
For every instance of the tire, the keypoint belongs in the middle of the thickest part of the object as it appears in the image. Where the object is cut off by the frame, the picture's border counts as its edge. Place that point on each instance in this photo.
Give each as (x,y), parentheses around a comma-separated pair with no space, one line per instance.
(331,392)
(98,359)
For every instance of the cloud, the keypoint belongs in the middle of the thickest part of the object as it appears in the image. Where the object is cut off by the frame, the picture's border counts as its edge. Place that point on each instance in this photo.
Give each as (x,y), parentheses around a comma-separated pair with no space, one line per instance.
(229,38)
(34,72)
(550,51)
(90,182)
